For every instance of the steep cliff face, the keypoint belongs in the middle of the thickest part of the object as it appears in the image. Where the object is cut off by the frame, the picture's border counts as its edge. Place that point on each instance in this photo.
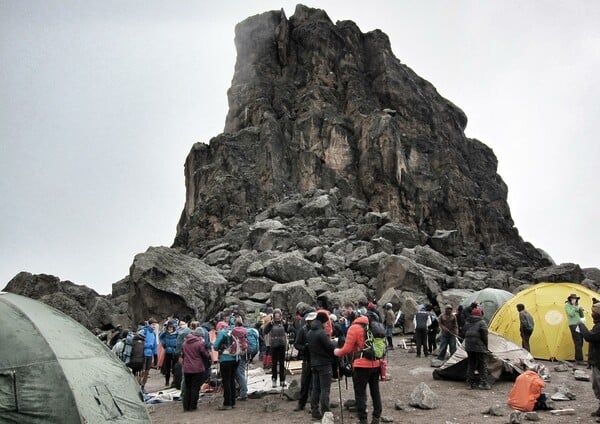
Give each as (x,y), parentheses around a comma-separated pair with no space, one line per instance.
(316,105)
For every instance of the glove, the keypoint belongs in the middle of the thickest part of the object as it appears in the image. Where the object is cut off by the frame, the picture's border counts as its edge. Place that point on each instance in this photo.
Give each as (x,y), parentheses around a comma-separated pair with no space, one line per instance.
(335,351)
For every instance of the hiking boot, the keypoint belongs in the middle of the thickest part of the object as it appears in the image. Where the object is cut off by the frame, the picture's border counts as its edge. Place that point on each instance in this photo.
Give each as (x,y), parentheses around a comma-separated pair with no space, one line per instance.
(596,413)
(283,384)
(471,386)
(484,386)
(316,415)
(363,421)
(274,385)
(299,408)
(375,420)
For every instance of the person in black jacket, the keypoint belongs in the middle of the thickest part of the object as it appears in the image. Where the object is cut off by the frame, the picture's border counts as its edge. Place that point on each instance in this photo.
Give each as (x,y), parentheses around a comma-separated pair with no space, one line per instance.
(301,345)
(321,349)
(593,338)
(476,345)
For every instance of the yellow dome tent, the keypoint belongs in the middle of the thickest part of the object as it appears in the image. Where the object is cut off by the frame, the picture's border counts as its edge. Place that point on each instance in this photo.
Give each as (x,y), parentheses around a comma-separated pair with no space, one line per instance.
(551,338)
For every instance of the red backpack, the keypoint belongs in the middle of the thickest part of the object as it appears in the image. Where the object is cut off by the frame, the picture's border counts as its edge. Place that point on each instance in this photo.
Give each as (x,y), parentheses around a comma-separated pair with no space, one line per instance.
(239,345)
(526,391)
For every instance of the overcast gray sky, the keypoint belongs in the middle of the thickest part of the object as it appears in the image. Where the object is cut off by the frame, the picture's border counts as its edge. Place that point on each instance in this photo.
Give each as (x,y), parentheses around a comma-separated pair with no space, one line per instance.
(100,102)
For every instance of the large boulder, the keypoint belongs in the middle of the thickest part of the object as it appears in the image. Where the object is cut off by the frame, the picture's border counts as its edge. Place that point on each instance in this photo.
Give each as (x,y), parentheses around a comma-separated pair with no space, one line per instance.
(81,303)
(425,255)
(402,273)
(566,272)
(286,296)
(164,281)
(288,267)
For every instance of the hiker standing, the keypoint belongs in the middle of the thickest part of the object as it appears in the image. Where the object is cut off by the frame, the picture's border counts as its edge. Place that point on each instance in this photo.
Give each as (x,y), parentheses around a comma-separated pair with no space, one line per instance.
(366,371)
(574,314)
(320,348)
(421,322)
(277,331)
(593,338)
(301,345)
(195,357)
(432,330)
(526,326)
(476,345)
(390,319)
(227,364)
(168,340)
(241,333)
(460,318)
(150,350)
(449,326)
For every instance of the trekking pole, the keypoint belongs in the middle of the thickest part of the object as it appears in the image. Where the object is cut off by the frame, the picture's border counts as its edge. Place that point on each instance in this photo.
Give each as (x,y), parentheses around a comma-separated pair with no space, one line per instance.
(341,403)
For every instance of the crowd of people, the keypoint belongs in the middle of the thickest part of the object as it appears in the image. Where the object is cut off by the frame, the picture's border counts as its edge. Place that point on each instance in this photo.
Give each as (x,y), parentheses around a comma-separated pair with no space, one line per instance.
(330,343)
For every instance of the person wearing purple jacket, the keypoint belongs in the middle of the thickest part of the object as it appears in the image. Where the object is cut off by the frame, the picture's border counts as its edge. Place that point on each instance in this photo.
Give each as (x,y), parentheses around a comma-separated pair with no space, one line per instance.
(194,356)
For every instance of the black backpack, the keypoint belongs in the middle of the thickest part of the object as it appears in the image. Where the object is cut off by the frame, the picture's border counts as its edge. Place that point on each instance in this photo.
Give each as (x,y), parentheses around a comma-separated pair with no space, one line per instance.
(137,352)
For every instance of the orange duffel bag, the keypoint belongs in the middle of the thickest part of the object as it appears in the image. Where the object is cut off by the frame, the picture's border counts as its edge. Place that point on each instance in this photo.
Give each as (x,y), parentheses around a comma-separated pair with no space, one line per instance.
(526,391)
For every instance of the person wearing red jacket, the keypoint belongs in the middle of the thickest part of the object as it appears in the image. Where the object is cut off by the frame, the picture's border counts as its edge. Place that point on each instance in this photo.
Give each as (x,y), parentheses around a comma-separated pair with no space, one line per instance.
(366,371)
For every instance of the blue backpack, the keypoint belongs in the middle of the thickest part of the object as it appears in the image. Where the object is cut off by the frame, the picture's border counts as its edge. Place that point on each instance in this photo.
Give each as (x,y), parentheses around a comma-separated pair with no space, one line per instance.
(253,340)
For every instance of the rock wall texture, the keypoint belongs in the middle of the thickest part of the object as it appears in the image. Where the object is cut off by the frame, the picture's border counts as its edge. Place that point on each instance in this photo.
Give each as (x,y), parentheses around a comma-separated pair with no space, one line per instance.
(340,175)
(317,105)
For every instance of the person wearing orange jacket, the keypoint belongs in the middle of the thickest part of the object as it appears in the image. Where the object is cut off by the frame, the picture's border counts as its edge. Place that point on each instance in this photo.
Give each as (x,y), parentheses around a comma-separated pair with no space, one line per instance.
(366,371)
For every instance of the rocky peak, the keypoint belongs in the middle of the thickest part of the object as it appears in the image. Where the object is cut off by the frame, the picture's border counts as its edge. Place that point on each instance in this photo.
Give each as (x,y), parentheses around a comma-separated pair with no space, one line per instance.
(317,105)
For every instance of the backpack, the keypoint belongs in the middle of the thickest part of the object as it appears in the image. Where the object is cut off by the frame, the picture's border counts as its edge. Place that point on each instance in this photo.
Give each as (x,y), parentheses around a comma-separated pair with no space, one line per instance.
(119,348)
(239,344)
(278,336)
(137,350)
(253,341)
(375,341)
(526,391)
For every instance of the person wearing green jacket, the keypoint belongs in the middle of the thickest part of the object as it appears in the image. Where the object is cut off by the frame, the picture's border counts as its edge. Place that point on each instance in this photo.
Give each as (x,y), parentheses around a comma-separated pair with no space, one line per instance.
(574,314)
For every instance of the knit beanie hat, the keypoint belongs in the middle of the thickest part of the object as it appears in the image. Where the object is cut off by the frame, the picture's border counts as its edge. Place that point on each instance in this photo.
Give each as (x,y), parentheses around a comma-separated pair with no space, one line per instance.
(476,312)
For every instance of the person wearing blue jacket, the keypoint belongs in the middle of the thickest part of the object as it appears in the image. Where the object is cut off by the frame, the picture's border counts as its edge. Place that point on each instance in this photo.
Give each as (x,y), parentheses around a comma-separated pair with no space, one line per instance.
(228,365)
(150,350)
(168,340)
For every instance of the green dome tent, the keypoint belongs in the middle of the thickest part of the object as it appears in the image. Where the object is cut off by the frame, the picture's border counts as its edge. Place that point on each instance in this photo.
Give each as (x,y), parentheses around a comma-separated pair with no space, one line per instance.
(491,300)
(53,370)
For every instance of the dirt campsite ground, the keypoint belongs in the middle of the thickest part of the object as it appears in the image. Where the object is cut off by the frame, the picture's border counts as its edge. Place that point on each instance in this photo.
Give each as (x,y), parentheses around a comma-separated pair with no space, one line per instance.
(457,404)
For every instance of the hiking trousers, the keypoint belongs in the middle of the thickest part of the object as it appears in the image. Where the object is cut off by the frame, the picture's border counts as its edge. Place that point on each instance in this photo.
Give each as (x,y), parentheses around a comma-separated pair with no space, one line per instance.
(321,386)
(240,376)
(577,341)
(191,390)
(476,362)
(596,381)
(421,340)
(445,342)
(305,383)
(228,369)
(525,336)
(360,379)
(278,358)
